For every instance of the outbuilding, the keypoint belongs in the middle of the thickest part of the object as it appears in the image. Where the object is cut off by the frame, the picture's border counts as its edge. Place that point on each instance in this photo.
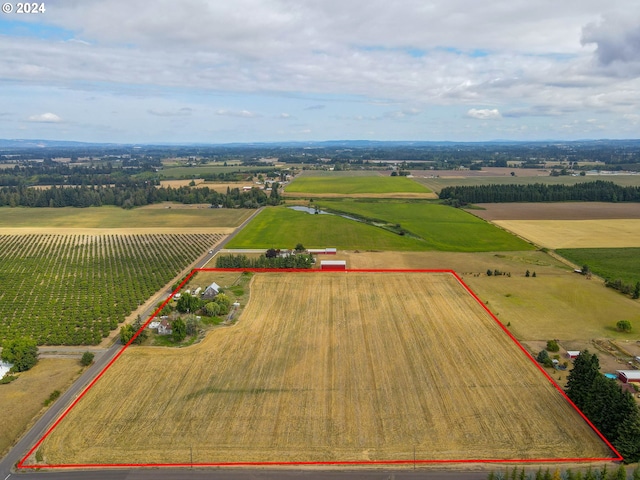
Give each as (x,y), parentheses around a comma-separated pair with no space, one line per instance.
(629,376)
(573,353)
(336,265)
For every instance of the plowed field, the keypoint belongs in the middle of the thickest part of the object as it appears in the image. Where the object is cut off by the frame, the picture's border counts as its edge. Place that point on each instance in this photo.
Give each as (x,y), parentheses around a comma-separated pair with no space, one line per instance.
(330,367)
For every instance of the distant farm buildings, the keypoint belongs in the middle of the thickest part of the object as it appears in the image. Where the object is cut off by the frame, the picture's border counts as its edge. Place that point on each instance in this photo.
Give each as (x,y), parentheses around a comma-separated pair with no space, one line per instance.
(323,251)
(628,376)
(333,265)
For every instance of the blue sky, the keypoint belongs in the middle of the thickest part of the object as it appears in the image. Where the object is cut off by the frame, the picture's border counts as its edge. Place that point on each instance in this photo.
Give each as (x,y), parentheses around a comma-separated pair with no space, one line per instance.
(282,70)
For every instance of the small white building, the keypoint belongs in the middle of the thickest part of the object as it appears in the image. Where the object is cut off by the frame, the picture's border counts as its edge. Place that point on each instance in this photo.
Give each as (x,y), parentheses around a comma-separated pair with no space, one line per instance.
(573,353)
(153,325)
(197,291)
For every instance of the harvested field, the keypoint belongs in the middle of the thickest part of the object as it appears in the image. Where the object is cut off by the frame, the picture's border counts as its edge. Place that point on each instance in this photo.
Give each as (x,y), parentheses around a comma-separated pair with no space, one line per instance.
(577,233)
(22,399)
(158,218)
(557,211)
(342,370)
(555,304)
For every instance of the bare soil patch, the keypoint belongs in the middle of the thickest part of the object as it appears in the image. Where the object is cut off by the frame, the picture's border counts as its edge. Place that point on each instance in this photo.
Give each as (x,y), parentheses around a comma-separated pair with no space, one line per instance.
(557,211)
(330,367)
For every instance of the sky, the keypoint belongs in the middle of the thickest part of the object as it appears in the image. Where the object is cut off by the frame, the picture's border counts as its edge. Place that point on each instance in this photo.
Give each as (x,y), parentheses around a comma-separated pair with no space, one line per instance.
(219,71)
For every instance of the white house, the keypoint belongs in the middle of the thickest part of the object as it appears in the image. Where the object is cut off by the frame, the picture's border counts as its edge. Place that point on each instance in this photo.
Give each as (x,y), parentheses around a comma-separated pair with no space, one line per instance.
(164,328)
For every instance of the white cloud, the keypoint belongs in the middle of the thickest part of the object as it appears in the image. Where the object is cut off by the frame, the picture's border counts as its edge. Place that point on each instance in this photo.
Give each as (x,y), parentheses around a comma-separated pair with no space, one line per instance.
(237,113)
(45,118)
(181,112)
(484,113)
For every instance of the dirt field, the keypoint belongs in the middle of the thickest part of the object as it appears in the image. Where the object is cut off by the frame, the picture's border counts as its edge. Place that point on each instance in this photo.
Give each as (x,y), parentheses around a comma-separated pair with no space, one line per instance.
(557,211)
(22,399)
(330,366)
(577,233)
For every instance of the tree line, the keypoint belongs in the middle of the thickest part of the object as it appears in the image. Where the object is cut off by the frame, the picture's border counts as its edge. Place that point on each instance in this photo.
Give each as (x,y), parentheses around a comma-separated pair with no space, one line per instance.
(300,260)
(598,191)
(612,410)
(133,194)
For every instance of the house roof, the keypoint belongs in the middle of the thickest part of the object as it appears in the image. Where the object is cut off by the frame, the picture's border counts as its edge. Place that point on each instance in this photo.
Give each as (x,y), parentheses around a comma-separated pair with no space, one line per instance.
(214,286)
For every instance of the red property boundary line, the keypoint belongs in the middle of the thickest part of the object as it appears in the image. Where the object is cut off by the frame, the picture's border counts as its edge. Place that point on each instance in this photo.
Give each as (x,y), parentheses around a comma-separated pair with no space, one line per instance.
(617,457)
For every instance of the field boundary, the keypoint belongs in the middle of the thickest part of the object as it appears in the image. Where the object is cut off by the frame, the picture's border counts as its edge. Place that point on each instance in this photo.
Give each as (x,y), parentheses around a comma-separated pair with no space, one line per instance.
(21,464)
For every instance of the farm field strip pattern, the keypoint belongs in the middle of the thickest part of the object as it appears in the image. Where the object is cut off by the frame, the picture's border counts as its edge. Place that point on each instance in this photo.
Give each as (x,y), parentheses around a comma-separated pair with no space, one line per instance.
(330,367)
(75,289)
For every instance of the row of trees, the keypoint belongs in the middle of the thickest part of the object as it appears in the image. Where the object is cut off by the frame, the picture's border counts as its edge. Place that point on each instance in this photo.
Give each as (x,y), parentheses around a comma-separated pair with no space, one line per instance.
(613,411)
(519,473)
(598,191)
(133,194)
(300,260)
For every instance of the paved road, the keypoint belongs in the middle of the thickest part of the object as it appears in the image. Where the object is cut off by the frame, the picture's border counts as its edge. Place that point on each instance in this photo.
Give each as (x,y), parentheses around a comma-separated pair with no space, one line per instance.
(232,474)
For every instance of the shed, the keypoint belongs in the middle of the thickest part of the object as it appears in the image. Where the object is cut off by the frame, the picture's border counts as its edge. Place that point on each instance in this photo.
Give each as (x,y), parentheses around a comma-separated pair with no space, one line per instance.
(573,353)
(197,291)
(627,376)
(336,265)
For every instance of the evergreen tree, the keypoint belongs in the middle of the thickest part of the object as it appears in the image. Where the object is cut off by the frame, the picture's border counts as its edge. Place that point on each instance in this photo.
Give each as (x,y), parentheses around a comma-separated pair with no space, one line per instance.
(585,369)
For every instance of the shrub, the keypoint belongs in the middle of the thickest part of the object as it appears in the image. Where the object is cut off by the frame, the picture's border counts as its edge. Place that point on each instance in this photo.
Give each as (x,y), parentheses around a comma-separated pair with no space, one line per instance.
(553,346)
(87,359)
(624,325)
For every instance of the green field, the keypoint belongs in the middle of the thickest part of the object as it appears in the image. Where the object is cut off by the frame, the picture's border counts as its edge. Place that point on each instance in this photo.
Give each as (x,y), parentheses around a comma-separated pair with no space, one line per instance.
(437,184)
(436,227)
(608,263)
(441,227)
(355,185)
(116,217)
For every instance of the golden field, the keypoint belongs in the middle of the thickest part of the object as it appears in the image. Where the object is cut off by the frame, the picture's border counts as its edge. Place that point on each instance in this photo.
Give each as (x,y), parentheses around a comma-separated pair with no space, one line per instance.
(616,233)
(330,367)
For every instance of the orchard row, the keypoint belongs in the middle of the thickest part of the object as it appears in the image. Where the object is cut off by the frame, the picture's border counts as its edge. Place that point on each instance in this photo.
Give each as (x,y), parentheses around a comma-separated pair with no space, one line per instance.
(75,289)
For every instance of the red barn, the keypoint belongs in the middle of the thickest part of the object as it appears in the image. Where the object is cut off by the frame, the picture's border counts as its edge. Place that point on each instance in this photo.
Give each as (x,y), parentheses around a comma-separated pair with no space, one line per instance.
(628,376)
(335,265)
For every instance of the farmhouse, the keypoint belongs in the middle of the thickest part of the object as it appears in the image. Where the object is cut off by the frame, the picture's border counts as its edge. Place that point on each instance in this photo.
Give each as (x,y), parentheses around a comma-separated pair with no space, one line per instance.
(333,265)
(153,325)
(211,291)
(164,328)
(626,376)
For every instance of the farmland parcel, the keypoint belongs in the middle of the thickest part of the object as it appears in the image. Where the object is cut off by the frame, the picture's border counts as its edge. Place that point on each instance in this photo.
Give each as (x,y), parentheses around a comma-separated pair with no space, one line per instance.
(349,366)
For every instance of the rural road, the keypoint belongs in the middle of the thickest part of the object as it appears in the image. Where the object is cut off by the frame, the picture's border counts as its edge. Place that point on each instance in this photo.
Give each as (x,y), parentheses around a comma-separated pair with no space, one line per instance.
(232,474)
(102,358)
